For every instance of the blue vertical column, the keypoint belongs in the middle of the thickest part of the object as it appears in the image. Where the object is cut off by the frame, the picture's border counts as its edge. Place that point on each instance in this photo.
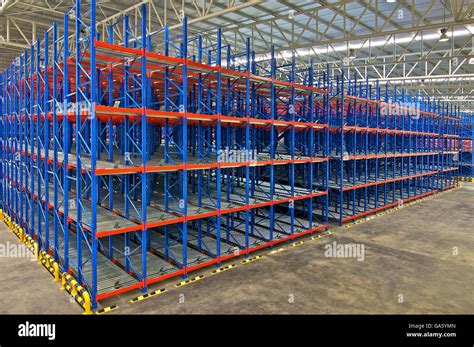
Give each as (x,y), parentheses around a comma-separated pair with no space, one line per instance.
(39,137)
(377,146)
(31,135)
(311,151)
(471,122)
(366,143)
(218,144)
(385,138)
(166,130)
(273,115)
(46,141)
(56,138)
(184,106)
(144,98)
(5,138)
(248,150)
(341,173)
(14,141)
(20,156)
(78,177)
(94,150)
(10,142)
(127,129)
(441,146)
(7,142)
(2,142)
(292,144)
(67,141)
(327,105)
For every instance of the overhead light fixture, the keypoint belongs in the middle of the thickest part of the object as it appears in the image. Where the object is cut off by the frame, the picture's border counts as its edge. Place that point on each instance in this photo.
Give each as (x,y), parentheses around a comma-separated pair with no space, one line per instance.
(444,37)
(391,1)
(471,61)
(352,55)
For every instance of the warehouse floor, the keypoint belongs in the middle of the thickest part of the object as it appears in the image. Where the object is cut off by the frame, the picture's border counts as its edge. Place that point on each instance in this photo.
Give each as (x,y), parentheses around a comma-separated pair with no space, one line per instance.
(419,259)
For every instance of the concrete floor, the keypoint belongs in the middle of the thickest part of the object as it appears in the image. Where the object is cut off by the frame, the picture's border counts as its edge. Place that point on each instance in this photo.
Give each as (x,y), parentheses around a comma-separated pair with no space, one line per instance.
(26,286)
(419,259)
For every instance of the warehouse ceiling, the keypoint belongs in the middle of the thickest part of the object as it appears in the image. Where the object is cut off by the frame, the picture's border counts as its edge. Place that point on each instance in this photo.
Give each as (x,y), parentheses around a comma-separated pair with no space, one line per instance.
(398,42)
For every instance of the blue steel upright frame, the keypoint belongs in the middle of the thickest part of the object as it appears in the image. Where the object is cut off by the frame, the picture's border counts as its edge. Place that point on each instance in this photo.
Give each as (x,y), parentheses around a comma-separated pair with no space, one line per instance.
(131,163)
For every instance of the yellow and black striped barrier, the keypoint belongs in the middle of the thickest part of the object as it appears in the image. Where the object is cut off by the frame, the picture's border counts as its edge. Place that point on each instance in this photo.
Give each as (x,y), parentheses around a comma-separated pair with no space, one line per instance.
(466,179)
(29,242)
(7,220)
(107,309)
(398,207)
(249,260)
(192,280)
(79,293)
(299,243)
(317,237)
(50,264)
(148,295)
(16,230)
(278,250)
(222,269)
(353,224)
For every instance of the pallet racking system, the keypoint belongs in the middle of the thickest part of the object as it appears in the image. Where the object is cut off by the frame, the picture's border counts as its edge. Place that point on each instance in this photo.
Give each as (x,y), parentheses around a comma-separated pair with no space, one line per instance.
(131,165)
(387,148)
(466,162)
(131,162)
